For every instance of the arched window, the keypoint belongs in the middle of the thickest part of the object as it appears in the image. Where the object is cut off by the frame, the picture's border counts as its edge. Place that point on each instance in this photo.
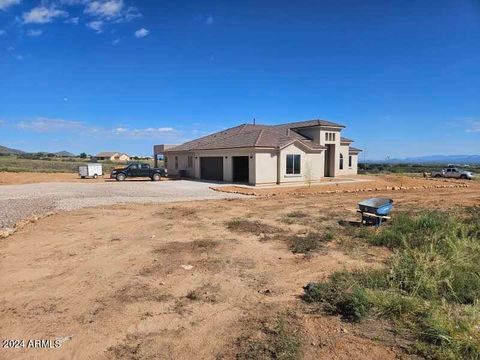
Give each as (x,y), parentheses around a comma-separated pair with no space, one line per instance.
(341,161)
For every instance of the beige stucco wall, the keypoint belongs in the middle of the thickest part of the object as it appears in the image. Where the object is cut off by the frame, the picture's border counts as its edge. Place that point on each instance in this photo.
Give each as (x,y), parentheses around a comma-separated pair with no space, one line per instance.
(348,170)
(311,169)
(266,167)
(226,154)
(318,134)
(263,163)
(182,164)
(354,168)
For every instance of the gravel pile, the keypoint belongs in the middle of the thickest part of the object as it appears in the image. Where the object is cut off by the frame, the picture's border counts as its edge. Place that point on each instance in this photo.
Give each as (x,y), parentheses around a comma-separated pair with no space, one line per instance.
(19,202)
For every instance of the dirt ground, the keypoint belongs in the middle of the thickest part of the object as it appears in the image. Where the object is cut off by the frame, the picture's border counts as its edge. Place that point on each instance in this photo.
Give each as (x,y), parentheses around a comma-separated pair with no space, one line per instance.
(362,183)
(173,281)
(12,178)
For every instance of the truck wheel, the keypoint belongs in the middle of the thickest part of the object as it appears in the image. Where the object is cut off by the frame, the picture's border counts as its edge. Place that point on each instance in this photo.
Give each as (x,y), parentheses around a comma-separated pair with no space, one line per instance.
(438,176)
(120,177)
(156,177)
(83,177)
(95,176)
(464,177)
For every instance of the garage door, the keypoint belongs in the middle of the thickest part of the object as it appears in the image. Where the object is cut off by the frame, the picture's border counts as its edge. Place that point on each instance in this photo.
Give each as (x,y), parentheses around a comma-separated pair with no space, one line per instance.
(211,168)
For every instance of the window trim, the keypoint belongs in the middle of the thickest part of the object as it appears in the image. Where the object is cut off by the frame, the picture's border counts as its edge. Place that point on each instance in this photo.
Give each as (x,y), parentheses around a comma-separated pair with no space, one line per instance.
(341,162)
(176,162)
(350,161)
(296,160)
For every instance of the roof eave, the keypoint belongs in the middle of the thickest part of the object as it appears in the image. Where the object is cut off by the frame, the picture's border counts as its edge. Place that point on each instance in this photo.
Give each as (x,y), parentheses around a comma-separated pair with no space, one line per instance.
(323,148)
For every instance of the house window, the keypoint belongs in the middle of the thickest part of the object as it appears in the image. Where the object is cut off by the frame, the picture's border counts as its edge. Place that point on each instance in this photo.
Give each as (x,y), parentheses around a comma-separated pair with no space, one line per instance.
(176,162)
(326,136)
(341,162)
(293,164)
(350,161)
(333,136)
(165,162)
(190,161)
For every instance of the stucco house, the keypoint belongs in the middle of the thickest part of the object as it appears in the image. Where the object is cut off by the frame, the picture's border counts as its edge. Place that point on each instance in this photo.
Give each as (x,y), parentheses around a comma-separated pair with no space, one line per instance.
(304,151)
(112,156)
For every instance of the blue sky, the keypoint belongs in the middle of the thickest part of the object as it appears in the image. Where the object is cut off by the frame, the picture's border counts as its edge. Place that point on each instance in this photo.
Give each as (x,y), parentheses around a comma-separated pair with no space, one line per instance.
(98,75)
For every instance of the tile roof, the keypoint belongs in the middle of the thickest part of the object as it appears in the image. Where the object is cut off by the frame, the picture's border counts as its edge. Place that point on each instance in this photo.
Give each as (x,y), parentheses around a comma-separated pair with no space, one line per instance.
(109,154)
(344,140)
(249,135)
(354,150)
(106,154)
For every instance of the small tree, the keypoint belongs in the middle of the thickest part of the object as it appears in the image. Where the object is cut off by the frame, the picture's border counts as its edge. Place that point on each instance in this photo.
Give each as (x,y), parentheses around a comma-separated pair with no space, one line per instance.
(308,173)
(83,155)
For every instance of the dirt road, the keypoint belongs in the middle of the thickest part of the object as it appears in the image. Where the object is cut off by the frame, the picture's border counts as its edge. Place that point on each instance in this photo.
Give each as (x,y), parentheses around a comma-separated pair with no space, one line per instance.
(172,281)
(18,202)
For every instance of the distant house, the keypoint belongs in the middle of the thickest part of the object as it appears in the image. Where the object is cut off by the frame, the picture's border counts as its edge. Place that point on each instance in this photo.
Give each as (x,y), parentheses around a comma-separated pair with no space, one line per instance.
(112,156)
(265,154)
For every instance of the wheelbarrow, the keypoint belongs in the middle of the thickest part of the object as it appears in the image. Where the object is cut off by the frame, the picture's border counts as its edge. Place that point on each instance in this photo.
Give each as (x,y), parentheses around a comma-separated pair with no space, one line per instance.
(375,210)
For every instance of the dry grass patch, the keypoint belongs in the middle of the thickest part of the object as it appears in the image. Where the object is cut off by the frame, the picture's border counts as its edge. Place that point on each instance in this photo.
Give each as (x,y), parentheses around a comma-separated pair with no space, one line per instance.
(309,242)
(251,226)
(177,247)
(138,292)
(277,340)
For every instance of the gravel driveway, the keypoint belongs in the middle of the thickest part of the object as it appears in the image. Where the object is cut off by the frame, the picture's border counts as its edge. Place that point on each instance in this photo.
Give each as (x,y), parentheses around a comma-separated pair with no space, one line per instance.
(18,202)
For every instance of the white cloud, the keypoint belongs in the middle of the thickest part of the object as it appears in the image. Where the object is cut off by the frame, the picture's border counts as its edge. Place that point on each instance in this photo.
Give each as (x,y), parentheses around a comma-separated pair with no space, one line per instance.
(209,20)
(50,125)
(112,10)
(73,20)
(96,25)
(47,125)
(4,4)
(116,42)
(474,126)
(143,133)
(141,33)
(42,15)
(34,32)
(2,32)
(108,9)
(2,122)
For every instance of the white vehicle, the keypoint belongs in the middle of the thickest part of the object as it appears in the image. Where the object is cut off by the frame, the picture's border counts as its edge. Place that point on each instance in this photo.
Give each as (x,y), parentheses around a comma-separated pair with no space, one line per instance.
(91,170)
(452,172)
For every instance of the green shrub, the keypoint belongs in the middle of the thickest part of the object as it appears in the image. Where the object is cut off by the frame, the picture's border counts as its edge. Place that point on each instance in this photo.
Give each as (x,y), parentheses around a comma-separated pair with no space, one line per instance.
(341,295)
(430,286)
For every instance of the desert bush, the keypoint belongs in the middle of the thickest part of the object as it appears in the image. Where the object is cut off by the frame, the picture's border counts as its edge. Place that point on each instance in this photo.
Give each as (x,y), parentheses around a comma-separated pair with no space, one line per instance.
(296,214)
(293,217)
(280,342)
(251,226)
(312,241)
(341,295)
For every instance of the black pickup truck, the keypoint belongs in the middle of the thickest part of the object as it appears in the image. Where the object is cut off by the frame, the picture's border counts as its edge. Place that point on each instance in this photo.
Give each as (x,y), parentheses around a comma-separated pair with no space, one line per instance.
(138,170)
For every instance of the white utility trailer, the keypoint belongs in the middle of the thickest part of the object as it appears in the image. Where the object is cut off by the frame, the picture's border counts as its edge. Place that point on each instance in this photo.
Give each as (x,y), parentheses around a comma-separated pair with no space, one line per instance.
(91,170)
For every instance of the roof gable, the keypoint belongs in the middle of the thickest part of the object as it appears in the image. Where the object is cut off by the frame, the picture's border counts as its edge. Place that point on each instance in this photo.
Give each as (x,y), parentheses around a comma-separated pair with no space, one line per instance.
(258,136)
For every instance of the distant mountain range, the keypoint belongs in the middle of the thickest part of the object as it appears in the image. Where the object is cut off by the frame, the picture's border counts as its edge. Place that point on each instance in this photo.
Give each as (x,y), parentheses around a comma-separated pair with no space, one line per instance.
(6,150)
(433,159)
(65,153)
